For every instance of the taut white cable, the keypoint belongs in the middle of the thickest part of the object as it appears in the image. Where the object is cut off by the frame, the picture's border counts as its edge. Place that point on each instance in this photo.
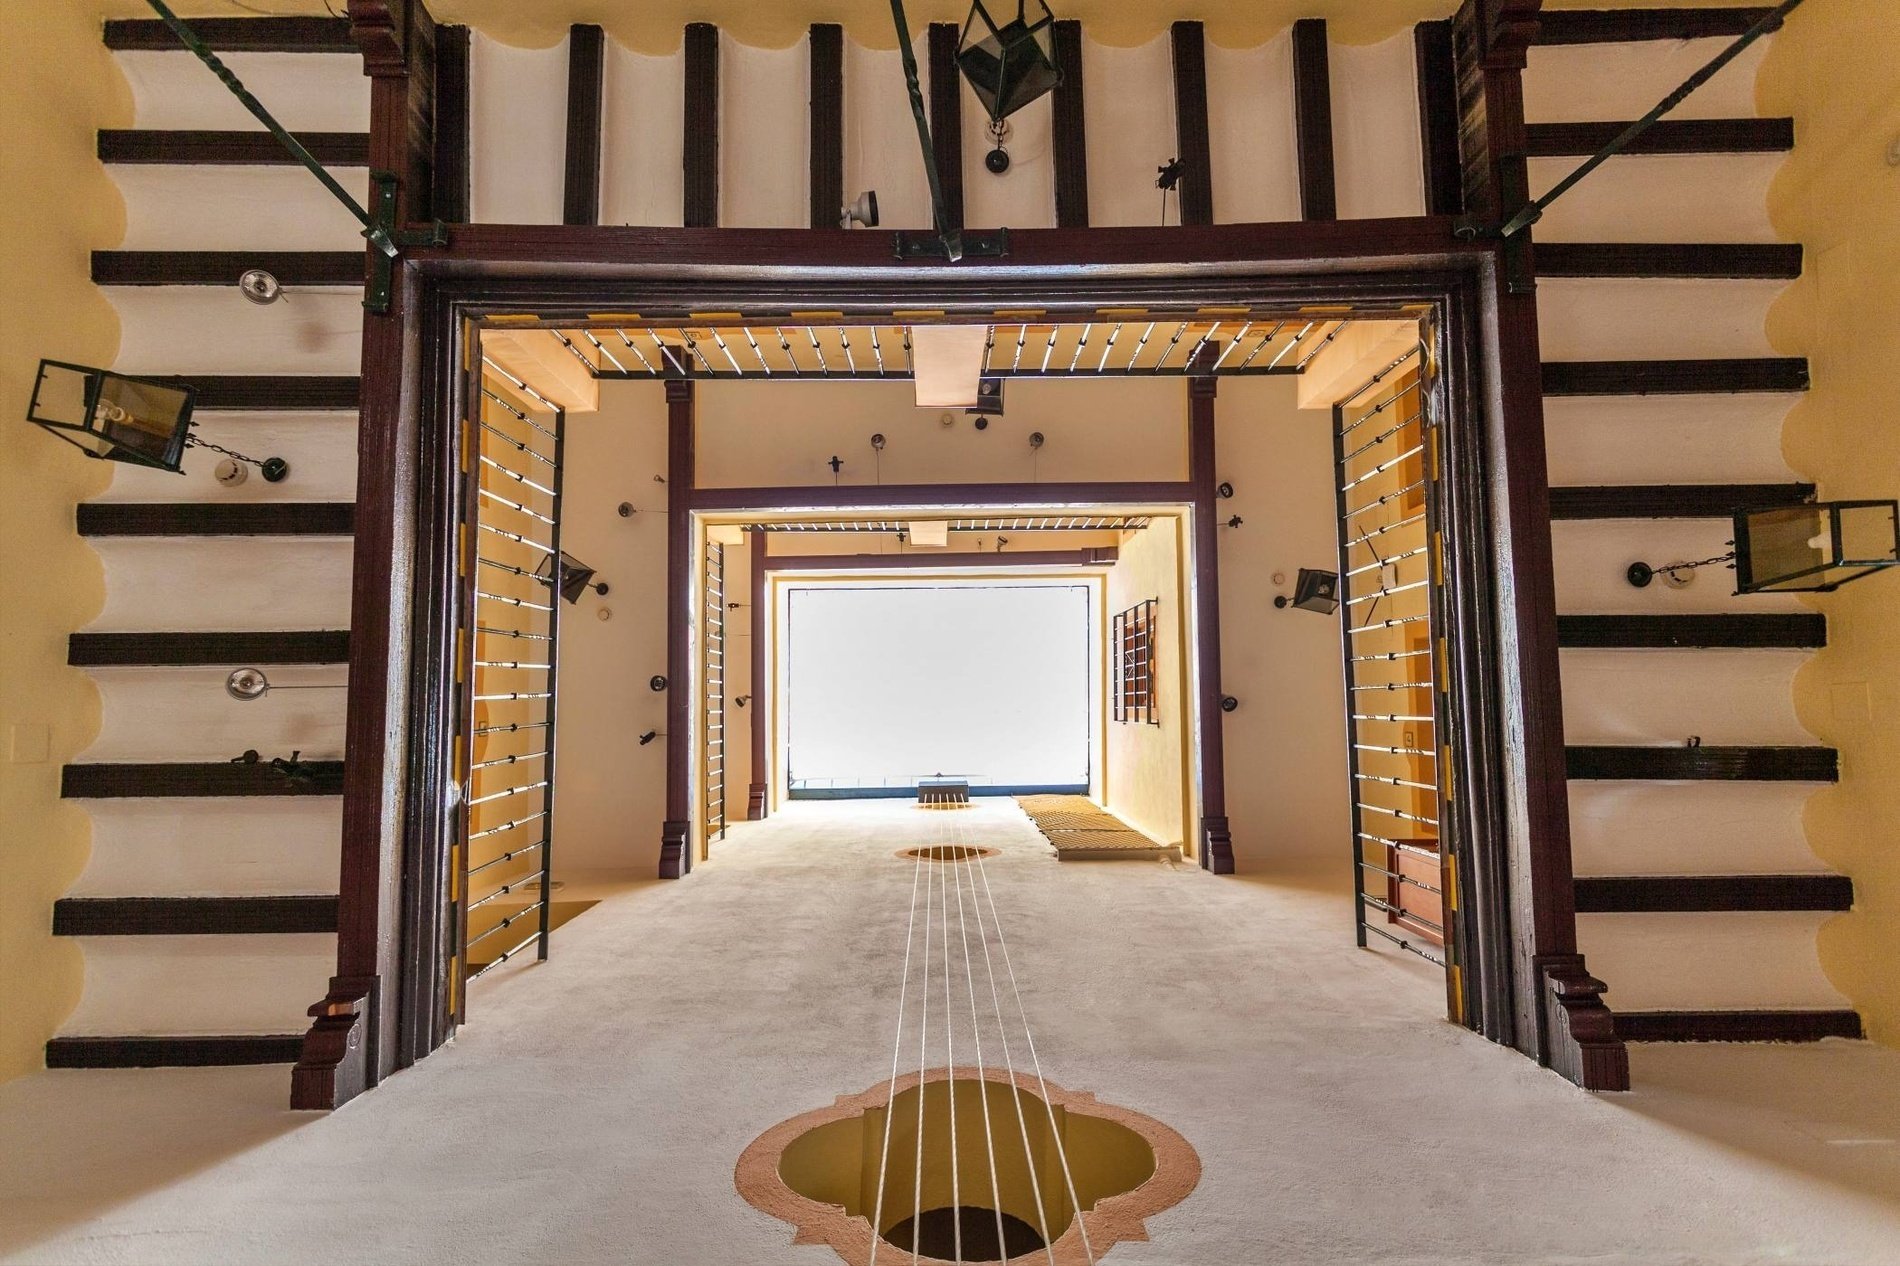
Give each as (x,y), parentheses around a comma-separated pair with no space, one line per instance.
(976,1030)
(950,1057)
(1062,1152)
(923,1054)
(897,1044)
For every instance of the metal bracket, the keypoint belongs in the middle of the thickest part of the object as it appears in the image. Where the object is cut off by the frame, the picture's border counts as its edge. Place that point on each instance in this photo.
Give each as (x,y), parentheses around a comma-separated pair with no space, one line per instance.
(386,240)
(976,243)
(1519,278)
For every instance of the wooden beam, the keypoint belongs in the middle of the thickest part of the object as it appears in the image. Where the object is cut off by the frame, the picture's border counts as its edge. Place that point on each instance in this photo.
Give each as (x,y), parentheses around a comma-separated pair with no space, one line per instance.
(449,184)
(946,116)
(586,70)
(1736,1026)
(1675,377)
(1687,894)
(701,207)
(1438,117)
(222,1051)
(1088,557)
(1667,136)
(216,518)
(1068,129)
(1705,764)
(1672,501)
(1196,190)
(758,801)
(1216,838)
(676,848)
(256,393)
(1623,26)
(939,496)
(223,268)
(234,35)
(100,650)
(196,779)
(825,47)
(1313,120)
(1800,631)
(224,149)
(192,916)
(1771,260)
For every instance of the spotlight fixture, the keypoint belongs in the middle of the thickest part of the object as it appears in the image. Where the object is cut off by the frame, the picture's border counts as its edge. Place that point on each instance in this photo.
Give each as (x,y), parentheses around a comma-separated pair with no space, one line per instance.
(625,509)
(1168,175)
(1313,591)
(863,210)
(1035,439)
(1224,491)
(877,441)
(574,576)
(989,397)
(648,737)
(1011,65)
(260,287)
(1228,703)
(1235,521)
(656,683)
(1811,547)
(741,700)
(248,684)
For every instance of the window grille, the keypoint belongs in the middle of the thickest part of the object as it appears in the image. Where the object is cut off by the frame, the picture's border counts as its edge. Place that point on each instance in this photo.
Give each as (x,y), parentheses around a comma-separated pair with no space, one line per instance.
(1134,632)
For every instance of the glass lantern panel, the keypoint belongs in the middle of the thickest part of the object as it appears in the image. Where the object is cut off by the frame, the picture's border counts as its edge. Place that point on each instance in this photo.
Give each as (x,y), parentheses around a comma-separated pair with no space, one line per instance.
(63,396)
(142,417)
(1869,533)
(1787,541)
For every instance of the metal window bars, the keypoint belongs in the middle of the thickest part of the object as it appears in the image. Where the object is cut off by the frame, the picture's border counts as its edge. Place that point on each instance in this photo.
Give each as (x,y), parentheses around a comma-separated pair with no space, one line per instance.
(510,615)
(713,751)
(1385,451)
(1132,663)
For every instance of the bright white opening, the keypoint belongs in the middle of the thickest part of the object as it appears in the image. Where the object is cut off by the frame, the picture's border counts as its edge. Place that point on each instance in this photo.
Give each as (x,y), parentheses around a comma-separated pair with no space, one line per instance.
(886,685)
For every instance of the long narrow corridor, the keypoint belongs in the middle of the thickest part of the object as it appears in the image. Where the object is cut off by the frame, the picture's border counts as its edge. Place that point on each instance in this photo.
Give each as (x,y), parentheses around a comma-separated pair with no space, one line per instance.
(594,1107)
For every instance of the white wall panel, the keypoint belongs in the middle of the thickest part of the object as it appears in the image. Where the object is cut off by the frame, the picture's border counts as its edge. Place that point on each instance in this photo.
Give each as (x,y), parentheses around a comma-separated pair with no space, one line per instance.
(230,847)
(642,138)
(1685,828)
(1128,109)
(226,583)
(185,714)
(179,985)
(1717,961)
(1377,161)
(1592,555)
(1666,439)
(216,330)
(518,132)
(320,447)
(307,92)
(1250,133)
(880,139)
(178,208)
(1024,197)
(1660,198)
(1664,696)
(764,135)
(1645,318)
(1583,83)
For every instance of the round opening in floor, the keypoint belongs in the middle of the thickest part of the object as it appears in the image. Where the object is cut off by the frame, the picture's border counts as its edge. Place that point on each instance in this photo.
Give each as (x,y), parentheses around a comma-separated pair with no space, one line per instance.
(945,853)
(971,1167)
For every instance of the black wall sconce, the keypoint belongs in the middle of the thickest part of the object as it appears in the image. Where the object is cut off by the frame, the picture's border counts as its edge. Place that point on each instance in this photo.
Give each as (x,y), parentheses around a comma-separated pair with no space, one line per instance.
(1228,703)
(575,576)
(1313,591)
(741,700)
(1811,547)
(657,682)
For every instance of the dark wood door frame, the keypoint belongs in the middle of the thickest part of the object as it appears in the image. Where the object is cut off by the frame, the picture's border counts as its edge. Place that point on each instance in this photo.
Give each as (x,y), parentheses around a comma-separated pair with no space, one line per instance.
(412,391)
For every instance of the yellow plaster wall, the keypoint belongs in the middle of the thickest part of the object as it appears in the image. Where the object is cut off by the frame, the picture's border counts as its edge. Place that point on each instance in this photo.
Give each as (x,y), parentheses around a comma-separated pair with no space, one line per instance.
(1838,74)
(1144,763)
(60,87)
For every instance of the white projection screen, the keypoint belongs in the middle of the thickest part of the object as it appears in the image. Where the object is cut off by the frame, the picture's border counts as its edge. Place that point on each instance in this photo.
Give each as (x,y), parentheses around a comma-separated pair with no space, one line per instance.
(888,684)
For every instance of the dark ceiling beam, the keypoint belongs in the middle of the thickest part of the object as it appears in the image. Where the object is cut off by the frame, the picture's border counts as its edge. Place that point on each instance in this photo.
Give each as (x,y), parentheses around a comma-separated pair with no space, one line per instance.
(1753,630)
(1069,130)
(1624,26)
(192,916)
(228,149)
(1088,557)
(1671,501)
(449,183)
(194,1051)
(946,117)
(216,518)
(1313,120)
(1705,763)
(586,69)
(825,46)
(1196,190)
(223,268)
(123,650)
(700,208)
(1438,117)
(939,496)
(1675,377)
(1696,894)
(1780,261)
(197,778)
(1737,1026)
(275,392)
(1666,136)
(234,35)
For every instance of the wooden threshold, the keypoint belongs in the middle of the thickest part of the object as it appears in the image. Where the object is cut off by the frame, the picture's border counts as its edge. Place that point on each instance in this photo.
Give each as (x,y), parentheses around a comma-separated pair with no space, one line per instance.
(1717,260)
(1666,136)
(216,518)
(1675,377)
(1671,501)
(1703,764)
(1736,1026)
(130,780)
(1682,894)
(223,268)
(1798,631)
(193,916)
(126,650)
(194,1051)
(208,148)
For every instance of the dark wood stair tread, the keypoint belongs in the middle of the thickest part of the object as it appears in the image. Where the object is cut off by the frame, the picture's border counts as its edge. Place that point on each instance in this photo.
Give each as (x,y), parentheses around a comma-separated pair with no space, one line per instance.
(185,1051)
(1682,894)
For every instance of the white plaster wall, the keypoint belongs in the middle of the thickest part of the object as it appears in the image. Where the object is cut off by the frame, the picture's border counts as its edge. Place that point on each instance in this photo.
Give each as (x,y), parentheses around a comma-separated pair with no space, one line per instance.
(233,583)
(1592,555)
(880,139)
(216,330)
(177,208)
(1666,439)
(231,846)
(1024,197)
(1660,198)
(763,434)
(185,714)
(642,138)
(1377,163)
(1288,799)
(307,92)
(1252,146)
(179,985)
(518,117)
(764,135)
(1583,83)
(1717,961)
(320,447)
(1129,121)
(1687,828)
(1664,696)
(1652,318)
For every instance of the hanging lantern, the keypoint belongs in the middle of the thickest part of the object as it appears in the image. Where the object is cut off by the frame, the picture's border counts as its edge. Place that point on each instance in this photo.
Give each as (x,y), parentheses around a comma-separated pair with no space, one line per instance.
(575,576)
(139,420)
(1011,65)
(1314,590)
(1815,547)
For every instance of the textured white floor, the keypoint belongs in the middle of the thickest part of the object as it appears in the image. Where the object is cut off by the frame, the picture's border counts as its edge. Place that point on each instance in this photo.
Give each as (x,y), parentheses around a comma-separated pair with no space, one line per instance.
(593,1110)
